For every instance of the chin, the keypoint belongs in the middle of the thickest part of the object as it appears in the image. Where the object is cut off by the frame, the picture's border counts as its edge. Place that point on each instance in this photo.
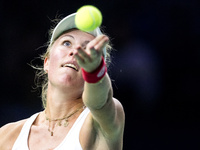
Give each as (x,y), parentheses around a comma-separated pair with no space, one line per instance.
(69,81)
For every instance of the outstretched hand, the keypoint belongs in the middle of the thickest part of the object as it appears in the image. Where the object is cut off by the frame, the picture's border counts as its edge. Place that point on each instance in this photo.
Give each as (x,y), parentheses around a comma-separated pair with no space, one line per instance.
(90,58)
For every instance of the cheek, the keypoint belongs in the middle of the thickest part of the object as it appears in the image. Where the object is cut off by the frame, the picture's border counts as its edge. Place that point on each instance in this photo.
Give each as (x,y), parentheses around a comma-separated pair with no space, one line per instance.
(55,58)
(53,65)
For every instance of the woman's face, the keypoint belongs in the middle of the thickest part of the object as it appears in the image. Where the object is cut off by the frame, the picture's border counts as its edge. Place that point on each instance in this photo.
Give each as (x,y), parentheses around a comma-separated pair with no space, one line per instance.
(61,65)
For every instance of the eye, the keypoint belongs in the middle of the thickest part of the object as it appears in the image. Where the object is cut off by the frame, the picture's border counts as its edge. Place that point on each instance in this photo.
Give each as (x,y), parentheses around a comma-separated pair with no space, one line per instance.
(67,43)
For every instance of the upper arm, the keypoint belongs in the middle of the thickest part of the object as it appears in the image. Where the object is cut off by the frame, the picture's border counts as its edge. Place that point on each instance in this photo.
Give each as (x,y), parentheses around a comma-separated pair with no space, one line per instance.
(107,112)
(111,118)
(102,129)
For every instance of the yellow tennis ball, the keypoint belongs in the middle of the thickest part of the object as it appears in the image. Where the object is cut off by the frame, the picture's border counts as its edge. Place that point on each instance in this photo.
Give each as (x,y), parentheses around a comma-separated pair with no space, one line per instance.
(88,18)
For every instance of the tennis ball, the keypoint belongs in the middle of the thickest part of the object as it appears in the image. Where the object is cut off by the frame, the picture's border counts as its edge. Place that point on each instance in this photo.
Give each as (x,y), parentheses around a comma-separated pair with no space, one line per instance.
(88,18)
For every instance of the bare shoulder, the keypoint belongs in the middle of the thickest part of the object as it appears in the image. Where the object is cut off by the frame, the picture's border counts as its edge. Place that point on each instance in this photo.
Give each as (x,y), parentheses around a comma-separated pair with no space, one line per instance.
(9,133)
(10,127)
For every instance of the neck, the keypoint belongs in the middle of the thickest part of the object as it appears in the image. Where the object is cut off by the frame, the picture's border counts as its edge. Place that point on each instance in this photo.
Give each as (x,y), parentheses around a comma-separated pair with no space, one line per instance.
(62,103)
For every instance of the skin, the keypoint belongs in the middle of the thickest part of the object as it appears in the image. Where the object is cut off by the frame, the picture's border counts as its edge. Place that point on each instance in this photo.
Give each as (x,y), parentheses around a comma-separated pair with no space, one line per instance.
(67,91)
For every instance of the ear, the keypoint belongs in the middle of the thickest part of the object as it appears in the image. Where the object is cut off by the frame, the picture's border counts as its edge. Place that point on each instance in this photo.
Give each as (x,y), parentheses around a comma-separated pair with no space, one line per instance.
(46,64)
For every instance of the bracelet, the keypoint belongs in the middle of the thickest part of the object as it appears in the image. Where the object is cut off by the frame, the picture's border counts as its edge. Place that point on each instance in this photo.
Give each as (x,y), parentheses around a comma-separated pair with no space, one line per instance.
(96,75)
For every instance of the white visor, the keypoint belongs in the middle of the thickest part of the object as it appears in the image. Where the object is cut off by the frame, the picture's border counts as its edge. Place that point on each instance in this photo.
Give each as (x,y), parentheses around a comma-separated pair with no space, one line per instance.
(68,23)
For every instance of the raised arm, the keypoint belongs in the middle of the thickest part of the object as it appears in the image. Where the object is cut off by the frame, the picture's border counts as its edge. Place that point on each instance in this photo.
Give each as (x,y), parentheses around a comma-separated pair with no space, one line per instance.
(106,111)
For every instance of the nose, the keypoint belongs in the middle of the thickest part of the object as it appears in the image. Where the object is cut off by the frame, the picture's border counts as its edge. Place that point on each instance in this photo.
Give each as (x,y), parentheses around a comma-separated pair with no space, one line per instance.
(73,51)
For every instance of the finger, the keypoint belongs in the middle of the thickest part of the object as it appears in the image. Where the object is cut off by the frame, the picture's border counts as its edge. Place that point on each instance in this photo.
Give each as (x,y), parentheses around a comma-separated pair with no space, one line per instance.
(82,53)
(81,62)
(92,43)
(94,53)
(101,44)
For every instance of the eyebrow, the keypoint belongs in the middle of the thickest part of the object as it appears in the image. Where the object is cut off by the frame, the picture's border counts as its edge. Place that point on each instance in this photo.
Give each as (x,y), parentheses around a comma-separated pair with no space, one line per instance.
(68,36)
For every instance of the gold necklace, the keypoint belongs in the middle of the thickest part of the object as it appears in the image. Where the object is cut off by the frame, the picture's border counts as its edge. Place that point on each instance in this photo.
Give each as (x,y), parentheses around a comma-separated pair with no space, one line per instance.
(61,119)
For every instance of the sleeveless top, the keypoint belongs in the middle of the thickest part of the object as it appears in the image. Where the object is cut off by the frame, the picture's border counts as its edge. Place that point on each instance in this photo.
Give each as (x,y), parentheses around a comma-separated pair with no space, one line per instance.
(70,142)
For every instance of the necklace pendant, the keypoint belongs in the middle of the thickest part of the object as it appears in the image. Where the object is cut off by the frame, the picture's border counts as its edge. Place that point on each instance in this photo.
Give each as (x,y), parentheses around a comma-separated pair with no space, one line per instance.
(51,133)
(59,123)
(66,123)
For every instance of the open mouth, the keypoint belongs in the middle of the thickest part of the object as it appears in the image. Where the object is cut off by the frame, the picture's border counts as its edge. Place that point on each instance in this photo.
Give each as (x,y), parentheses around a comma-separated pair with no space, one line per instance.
(71,66)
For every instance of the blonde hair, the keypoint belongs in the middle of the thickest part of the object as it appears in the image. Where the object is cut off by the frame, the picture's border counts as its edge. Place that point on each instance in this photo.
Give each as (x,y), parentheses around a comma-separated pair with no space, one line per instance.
(41,77)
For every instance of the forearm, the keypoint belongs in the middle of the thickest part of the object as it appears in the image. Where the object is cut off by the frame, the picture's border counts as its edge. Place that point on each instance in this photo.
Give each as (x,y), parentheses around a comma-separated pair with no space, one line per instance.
(96,95)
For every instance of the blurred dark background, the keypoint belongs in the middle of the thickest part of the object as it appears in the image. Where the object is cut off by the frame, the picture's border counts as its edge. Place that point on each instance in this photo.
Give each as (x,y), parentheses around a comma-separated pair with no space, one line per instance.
(155,64)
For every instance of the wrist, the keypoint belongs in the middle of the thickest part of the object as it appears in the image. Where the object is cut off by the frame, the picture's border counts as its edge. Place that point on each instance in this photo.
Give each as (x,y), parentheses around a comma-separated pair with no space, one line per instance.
(96,75)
